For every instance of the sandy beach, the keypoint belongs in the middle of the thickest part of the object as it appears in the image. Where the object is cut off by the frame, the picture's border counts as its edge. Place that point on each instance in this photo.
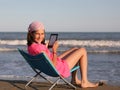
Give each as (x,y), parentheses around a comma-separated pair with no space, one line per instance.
(19,85)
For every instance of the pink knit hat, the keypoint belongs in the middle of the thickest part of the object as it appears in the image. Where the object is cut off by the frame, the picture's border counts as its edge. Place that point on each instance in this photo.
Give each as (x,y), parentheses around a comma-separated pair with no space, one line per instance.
(34,26)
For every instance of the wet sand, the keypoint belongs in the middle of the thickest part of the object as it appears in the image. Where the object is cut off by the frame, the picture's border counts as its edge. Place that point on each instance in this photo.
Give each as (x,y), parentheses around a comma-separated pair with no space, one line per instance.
(19,85)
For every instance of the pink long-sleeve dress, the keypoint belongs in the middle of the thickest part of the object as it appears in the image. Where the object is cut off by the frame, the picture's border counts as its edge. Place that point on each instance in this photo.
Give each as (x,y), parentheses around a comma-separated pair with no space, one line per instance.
(61,65)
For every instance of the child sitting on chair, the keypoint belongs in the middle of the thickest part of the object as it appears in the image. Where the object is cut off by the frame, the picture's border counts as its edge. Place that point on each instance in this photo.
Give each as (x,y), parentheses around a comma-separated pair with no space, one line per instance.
(64,62)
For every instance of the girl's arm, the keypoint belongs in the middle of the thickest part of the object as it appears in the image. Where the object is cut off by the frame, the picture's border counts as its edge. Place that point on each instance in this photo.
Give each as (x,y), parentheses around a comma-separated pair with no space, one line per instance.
(54,49)
(54,60)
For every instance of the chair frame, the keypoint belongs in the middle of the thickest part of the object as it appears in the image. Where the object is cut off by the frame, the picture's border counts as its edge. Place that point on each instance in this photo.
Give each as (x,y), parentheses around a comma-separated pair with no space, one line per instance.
(39,72)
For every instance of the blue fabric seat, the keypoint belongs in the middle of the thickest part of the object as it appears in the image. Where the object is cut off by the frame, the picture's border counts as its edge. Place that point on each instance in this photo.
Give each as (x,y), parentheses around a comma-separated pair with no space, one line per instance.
(41,64)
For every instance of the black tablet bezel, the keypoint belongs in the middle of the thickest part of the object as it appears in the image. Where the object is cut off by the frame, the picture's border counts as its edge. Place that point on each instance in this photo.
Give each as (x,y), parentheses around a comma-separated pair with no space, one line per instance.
(50,39)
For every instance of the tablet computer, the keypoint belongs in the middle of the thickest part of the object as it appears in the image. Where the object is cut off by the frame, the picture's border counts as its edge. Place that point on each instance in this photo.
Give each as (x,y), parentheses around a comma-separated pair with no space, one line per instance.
(52,39)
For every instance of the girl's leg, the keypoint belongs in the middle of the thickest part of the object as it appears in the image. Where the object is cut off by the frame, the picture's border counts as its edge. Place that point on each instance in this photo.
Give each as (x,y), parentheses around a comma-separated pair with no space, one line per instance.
(66,53)
(74,78)
(80,56)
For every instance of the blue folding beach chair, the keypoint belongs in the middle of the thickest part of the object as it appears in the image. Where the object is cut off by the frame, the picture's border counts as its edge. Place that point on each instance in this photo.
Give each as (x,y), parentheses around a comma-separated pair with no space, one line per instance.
(41,64)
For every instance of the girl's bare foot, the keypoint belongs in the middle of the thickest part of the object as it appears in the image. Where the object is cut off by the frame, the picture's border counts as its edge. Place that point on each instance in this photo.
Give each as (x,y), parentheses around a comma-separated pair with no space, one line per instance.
(88,84)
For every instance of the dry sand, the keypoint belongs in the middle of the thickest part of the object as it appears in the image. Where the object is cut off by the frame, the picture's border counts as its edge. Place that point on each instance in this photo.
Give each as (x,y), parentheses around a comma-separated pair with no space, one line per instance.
(19,85)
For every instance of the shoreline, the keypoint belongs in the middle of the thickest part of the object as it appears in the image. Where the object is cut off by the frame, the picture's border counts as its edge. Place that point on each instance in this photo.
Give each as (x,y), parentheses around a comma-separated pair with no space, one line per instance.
(27,78)
(19,85)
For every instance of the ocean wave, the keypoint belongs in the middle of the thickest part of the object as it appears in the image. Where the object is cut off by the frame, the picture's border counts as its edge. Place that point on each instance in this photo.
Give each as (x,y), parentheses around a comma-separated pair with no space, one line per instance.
(23,77)
(89,43)
(7,49)
(13,42)
(89,51)
(14,77)
(103,51)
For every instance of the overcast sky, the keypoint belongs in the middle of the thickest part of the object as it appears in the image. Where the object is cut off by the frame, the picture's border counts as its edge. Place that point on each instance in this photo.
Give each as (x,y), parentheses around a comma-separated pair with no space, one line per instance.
(61,15)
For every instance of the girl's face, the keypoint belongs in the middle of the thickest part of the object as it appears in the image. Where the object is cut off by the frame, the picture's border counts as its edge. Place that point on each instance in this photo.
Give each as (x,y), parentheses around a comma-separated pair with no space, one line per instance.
(39,36)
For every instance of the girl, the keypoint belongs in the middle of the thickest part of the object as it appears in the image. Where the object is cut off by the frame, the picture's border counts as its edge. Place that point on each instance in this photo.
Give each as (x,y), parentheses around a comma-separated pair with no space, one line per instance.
(64,62)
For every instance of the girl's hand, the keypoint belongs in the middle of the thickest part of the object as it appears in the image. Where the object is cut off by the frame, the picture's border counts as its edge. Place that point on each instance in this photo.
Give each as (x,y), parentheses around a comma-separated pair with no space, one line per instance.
(55,47)
(47,44)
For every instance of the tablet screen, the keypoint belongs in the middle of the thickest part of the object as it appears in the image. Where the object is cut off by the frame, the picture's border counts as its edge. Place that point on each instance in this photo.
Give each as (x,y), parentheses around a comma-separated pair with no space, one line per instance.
(52,39)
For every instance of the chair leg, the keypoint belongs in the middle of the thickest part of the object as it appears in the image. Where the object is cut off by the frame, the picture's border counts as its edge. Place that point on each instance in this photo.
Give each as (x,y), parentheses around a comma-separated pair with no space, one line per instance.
(54,83)
(45,78)
(68,82)
(31,80)
(64,81)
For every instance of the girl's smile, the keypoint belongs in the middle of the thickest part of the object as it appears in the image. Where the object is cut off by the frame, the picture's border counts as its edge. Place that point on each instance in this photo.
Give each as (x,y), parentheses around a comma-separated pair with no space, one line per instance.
(39,36)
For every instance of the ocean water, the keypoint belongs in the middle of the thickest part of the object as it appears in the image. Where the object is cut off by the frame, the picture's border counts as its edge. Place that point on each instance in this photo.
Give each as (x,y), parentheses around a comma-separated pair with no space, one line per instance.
(103,54)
